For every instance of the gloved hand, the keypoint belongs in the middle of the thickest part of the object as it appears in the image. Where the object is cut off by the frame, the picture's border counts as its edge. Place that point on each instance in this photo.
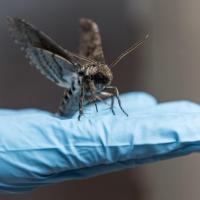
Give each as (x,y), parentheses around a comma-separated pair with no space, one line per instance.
(38,148)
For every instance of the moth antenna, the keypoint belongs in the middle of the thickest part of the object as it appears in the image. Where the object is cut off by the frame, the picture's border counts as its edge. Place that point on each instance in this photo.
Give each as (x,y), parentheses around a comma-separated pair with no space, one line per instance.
(129,50)
(83,58)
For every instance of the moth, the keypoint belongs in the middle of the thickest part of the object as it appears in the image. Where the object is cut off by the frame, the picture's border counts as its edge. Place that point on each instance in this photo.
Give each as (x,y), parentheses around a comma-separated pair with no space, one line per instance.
(85,76)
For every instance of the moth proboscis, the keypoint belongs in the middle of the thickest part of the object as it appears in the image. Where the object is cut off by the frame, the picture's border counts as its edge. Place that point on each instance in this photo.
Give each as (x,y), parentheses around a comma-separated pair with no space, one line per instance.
(85,76)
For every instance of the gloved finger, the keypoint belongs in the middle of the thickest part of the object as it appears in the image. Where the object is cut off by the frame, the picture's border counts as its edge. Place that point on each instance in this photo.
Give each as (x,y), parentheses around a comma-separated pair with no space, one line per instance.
(38,149)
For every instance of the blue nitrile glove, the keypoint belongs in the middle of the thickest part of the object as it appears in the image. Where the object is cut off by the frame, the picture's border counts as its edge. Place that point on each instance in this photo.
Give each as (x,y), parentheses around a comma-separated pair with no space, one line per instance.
(38,148)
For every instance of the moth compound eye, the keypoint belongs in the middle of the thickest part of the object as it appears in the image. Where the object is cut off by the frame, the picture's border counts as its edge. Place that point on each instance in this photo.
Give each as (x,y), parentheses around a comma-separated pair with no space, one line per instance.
(81,73)
(100,78)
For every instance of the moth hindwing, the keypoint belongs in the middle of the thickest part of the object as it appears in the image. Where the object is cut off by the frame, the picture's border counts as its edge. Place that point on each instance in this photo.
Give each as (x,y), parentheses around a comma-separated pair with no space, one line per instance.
(85,76)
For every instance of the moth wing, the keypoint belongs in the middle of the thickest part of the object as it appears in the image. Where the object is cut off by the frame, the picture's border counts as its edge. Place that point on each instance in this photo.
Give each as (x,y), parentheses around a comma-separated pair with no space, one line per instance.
(56,63)
(90,41)
(53,66)
(27,36)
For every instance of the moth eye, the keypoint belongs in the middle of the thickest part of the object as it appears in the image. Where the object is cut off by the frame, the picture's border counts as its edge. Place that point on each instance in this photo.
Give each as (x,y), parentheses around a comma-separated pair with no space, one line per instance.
(100,78)
(81,73)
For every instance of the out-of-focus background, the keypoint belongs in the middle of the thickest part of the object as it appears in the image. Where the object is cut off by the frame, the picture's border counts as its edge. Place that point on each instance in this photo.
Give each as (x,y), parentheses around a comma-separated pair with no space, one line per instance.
(168,66)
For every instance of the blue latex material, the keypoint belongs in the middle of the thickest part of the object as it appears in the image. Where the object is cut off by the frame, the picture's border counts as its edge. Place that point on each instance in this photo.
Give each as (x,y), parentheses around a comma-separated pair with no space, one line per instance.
(38,148)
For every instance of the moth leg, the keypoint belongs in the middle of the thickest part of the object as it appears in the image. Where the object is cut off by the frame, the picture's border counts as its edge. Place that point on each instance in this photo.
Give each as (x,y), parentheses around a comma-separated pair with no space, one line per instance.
(96,106)
(100,99)
(107,94)
(81,100)
(93,96)
(116,94)
(112,104)
(94,100)
(97,98)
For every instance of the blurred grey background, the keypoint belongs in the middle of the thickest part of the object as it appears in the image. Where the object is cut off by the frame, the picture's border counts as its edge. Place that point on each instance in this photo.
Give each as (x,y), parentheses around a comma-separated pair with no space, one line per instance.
(168,66)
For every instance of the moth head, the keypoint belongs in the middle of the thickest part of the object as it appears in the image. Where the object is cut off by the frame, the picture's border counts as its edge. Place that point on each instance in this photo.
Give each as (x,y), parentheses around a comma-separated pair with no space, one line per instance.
(102,75)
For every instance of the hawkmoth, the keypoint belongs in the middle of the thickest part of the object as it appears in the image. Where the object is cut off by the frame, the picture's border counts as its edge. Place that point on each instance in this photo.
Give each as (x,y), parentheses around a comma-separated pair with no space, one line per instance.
(85,76)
